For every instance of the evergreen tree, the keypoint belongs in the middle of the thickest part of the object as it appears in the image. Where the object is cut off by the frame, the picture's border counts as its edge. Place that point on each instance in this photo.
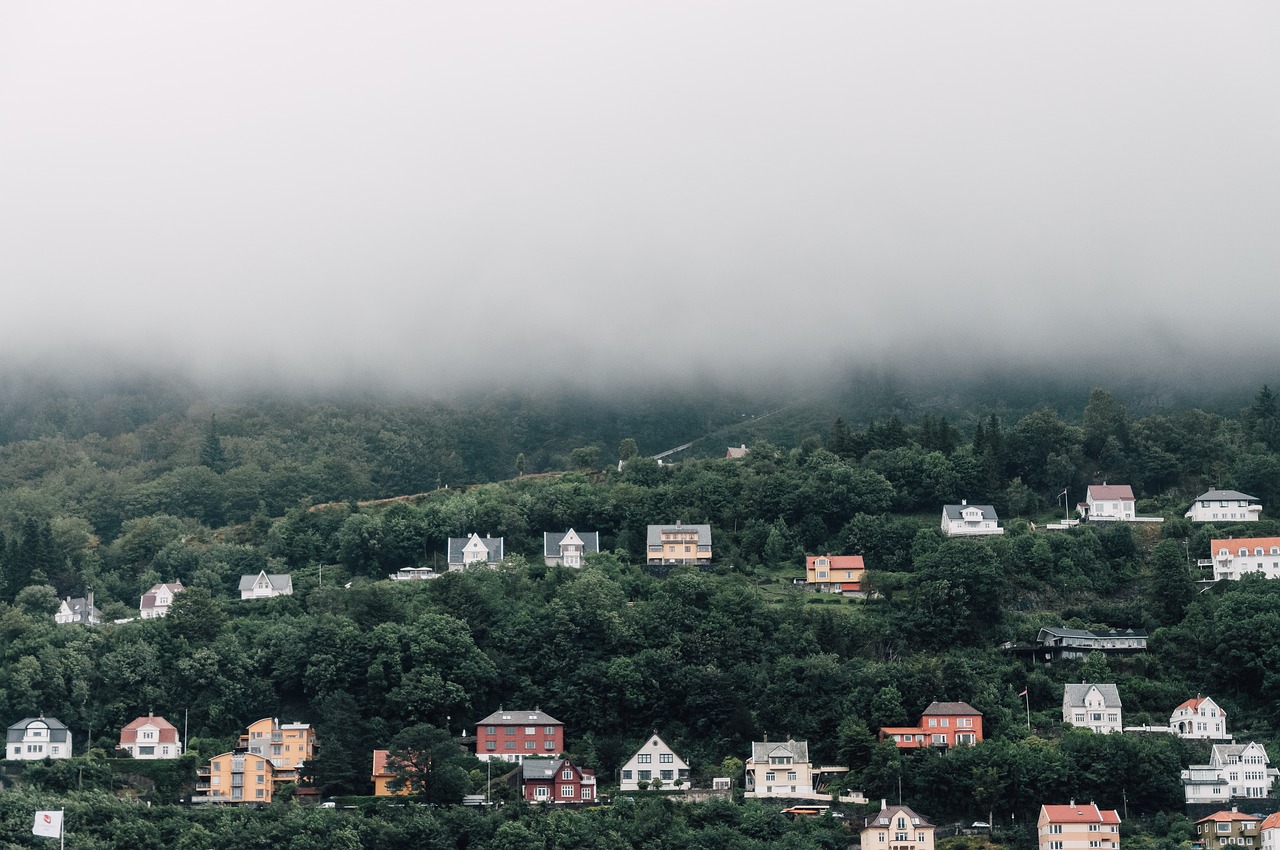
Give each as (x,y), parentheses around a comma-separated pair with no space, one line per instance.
(211,454)
(1264,419)
(842,442)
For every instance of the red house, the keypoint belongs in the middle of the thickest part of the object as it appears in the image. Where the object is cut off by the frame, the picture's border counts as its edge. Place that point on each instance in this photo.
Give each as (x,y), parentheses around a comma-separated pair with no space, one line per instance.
(556,781)
(518,735)
(943,724)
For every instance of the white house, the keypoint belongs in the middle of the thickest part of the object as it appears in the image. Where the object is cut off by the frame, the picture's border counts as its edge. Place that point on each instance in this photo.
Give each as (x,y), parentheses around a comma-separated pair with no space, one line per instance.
(1235,557)
(263,586)
(1224,506)
(474,549)
(156,601)
(654,760)
(1199,718)
(567,549)
(151,737)
(35,738)
(1234,770)
(78,610)
(966,520)
(779,769)
(1108,502)
(1269,832)
(1091,706)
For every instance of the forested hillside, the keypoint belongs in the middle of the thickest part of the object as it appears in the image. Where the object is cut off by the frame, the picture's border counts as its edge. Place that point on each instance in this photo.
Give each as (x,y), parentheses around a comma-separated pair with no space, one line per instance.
(713,659)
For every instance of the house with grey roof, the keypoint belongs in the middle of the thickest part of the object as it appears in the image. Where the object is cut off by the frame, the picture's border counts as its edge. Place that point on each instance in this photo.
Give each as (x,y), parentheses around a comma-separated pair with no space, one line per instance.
(779,769)
(1234,771)
(1054,642)
(966,520)
(567,549)
(264,586)
(1093,706)
(679,544)
(36,738)
(1225,506)
(78,610)
(474,549)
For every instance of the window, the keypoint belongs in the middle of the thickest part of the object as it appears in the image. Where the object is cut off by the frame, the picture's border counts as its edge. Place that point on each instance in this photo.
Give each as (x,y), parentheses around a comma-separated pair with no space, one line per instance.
(665,758)
(490,730)
(586,792)
(1055,845)
(645,758)
(567,773)
(1093,827)
(566,791)
(1055,829)
(549,730)
(646,775)
(260,793)
(791,776)
(259,778)
(509,730)
(215,780)
(933,722)
(770,776)
(541,792)
(531,730)
(529,745)
(548,745)
(1079,718)
(626,774)
(667,775)
(508,745)
(490,745)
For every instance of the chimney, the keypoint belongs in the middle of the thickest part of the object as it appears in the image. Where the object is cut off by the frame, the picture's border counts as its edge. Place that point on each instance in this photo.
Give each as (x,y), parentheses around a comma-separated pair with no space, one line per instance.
(1072,804)
(964,502)
(883,804)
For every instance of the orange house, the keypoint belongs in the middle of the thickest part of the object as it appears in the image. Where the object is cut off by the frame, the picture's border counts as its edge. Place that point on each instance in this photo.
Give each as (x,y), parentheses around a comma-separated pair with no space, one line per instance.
(383,776)
(942,724)
(835,573)
(235,777)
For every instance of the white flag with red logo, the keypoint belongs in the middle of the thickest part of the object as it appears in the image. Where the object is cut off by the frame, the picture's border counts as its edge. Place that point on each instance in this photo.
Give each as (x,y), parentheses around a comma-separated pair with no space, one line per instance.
(48,824)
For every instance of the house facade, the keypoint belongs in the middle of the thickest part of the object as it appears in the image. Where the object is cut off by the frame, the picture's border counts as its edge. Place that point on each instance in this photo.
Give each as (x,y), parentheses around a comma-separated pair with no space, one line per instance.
(1108,503)
(151,737)
(942,724)
(556,781)
(1234,771)
(1093,706)
(679,544)
(156,601)
(518,735)
(383,776)
(1269,832)
(264,586)
(1234,558)
(1227,829)
(835,573)
(1057,642)
(1199,718)
(474,549)
(779,769)
(654,761)
(78,610)
(1224,506)
(38,738)
(1077,826)
(567,549)
(896,828)
(966,520)
(235,777)
(288,746)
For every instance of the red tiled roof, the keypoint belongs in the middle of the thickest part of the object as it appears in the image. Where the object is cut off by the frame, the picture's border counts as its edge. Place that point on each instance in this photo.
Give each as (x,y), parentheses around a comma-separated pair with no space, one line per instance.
(380,762)
(1117,492)
(838,562)
(1234,545)
(1081,813)
(1272,821)
(168,733)
(1217,817)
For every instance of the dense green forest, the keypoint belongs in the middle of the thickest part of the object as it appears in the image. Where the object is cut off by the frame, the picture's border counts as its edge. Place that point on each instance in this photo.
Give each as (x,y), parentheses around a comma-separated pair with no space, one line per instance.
(116,492)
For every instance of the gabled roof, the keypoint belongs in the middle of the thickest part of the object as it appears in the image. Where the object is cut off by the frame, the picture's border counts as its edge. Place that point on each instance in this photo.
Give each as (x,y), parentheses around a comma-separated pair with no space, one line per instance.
(515,718)
(279,581)
(737,452)
(551,541)
(838,562)
(1080,813)
(168,733)
(655,533)
(1219,495)
(545,770)
(380,758)
(956,512)
(1110,492)
(1063,632)
(80,608)
(493,545)
(149,598)
(1221,754)
(1272,821)
(762,750)
(653,742)
(950,708)
(58,732)
(1075,694)
(885,817)
(1194,705)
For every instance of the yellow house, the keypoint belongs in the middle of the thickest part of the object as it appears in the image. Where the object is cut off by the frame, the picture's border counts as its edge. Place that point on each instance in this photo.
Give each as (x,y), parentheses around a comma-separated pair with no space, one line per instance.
(383,776)
(286,745)
(235,777)
(896,828)
(679,544)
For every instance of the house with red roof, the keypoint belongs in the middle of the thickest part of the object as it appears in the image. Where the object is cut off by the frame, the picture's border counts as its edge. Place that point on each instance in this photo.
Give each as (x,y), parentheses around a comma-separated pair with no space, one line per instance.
(1236,557)
(150,737)
(1199,718)
(383,776)
(942,724)
(1270,831)
(1078,826)
(156,601)
(1223,829)
(836,574)
(1107,503)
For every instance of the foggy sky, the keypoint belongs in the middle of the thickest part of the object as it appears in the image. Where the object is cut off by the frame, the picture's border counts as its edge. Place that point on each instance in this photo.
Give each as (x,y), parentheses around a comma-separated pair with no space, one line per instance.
(435,193)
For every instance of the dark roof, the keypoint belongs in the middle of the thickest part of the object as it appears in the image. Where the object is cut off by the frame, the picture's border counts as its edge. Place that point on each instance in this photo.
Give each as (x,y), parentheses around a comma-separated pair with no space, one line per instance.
(492,544)
(885,817)
(515,718)
(1075,694)
(58,732)
(539,768)
(655,533)
(761,750)
(1224,494)
(278,581)
(954,511)
(949,708)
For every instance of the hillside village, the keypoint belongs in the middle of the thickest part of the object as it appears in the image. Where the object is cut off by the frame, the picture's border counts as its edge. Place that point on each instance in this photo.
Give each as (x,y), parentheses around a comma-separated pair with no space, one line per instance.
(990,659)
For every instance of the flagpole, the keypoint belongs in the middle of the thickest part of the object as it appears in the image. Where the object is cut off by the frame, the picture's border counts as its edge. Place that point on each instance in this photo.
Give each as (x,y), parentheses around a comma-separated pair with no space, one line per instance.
(62,829)
(1026,695)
